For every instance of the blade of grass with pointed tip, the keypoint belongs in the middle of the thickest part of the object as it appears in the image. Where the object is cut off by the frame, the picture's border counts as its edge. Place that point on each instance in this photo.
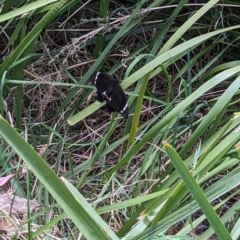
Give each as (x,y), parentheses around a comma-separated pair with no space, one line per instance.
(197,193)
(59,191)
(213,192)
(192,20)
(130,202)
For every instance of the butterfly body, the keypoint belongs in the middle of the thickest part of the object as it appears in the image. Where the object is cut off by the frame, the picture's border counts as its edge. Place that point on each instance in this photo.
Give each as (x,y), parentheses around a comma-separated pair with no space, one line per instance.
(109,90)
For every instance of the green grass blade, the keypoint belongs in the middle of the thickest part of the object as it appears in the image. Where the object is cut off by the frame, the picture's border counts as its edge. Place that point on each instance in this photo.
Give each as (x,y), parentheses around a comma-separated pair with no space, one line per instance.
(192,20)
(31,36)
(198,194)
(210,117)
(130,202)
(1,91)
(137,110)
(90,210)
(174,113)
(56,187)
(25,10)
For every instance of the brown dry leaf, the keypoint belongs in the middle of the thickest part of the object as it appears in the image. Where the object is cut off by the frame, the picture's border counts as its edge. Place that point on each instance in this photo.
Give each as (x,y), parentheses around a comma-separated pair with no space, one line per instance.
(9,225)
(42,149)
(5,223)
(23,170)
(19,206)
(5,179)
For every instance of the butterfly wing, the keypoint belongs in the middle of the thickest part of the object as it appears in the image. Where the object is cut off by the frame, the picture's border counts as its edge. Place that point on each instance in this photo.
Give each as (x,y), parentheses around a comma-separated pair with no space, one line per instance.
(109,89)
(102,81)
(100,97)
(118,101)
(109,108)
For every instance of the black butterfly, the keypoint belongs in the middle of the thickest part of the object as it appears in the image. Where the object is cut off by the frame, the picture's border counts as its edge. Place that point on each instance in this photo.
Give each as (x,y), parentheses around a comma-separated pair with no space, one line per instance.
(109,89)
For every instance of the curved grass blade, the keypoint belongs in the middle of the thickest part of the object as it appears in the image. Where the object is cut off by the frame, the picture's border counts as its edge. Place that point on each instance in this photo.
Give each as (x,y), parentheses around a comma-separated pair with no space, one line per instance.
(26,9)
(78,214)
(94,215)
(197,193)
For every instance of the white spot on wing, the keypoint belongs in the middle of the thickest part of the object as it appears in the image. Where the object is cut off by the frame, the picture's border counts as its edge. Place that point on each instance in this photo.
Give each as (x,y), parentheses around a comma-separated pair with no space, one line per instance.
(125,107)
(96,78)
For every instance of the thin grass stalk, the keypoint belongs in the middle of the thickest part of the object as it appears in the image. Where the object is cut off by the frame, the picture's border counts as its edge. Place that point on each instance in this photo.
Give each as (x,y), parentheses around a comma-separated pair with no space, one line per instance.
(1,91)
(100,38)
(137,111)
(169,94)
(28,181)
